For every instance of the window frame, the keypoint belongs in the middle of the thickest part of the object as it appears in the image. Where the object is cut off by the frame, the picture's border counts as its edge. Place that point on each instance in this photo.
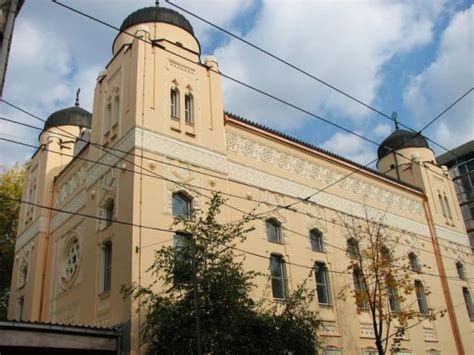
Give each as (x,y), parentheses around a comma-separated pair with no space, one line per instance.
(109,210)
(360,287)
(414,262)
(316,239)
(182,258)
(106,281)
(352,248)
(174,103)
(421,297)
(188,201)
(274,223)
(281,278)
(468,302)
(443,209)
(323,285)
(393,300)
(189,108)
(461,270)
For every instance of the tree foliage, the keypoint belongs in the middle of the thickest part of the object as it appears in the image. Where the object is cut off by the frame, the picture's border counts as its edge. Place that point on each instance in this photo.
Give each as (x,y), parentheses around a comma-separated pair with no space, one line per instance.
(11,184)
(205,296)
(383,282)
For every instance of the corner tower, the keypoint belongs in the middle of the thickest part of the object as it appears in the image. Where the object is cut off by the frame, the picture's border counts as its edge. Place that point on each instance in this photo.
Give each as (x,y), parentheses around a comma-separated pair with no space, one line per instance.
(155,84)
(60,132)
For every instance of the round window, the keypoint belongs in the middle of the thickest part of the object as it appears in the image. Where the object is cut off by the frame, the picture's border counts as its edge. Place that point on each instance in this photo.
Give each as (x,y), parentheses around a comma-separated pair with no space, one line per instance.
(71,258)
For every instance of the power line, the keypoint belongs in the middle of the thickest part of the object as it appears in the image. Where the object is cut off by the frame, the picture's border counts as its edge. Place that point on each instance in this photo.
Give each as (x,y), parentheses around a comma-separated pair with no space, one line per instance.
(224,193)
(246,85)
(302,71)
(207,189)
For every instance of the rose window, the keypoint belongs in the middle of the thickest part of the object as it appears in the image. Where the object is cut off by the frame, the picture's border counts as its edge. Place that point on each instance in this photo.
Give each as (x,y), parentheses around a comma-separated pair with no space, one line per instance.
(71,260)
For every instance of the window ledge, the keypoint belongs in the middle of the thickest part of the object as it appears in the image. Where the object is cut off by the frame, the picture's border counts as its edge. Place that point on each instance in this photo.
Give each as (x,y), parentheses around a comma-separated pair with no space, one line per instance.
(104,294)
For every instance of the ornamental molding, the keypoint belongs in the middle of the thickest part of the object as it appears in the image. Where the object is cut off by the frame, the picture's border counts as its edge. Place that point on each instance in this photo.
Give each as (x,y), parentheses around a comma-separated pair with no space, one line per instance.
(266,181)
(298,166)
(38,226)
(70,187)
(452,236)
(173,148)
(76,204)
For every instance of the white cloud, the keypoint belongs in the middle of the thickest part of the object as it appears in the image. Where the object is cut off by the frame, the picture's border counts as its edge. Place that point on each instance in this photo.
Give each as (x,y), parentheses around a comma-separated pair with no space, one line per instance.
(350,147)
(382,130)
(345,43)
(443,81)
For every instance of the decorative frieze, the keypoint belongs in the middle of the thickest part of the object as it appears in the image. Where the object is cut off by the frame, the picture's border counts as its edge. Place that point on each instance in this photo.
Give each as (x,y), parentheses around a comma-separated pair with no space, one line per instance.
(71,186)
(305,168)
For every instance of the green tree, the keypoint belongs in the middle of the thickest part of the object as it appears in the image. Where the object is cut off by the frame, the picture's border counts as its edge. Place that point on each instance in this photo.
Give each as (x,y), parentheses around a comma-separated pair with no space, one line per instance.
(11,184)
(383,283)
(204,305)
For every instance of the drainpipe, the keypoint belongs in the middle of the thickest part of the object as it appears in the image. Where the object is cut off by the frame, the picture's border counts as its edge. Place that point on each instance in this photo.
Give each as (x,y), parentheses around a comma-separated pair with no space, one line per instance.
(46,254)
(444,282)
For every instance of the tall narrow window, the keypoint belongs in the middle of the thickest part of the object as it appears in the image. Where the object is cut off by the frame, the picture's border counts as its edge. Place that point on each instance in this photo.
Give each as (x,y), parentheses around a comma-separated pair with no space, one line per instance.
(273,230)
(353,248)
(108,117)
(181,205)
(174,101)
(421,297)
(443,209)
(182,258)
(360,290)
(393,299)
(460,270)
(468,301)
(106,266)
(316,239)
(448,209)
(189,108)
(278,273)
(322,283)
(109,213)
(115,111)
(413,262)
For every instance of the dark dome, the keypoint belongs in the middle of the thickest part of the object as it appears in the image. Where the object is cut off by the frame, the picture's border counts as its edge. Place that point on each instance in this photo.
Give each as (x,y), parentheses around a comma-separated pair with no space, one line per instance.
(157,14)
(72,116)
(401,139)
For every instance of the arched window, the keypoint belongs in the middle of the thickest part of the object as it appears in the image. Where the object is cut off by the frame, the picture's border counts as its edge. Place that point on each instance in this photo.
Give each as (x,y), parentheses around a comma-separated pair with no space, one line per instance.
(278,274)
(460,270)
(322,283)
(360,288)
(108,117)
(353,248)
(174,101)
(443,209)
(22,274)
(106,277)
(448,209)
(413,262)
(273,230)
(109,212)
(181,204)
(316,239)
(393,298)
(189,108)
(468,301)
(421,297)
(115,111)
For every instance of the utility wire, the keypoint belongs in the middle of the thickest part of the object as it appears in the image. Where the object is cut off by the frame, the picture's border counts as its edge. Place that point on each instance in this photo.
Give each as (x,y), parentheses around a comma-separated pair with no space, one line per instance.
(221,192)
(302,71)
(248,86)
(175,231)
(100,21)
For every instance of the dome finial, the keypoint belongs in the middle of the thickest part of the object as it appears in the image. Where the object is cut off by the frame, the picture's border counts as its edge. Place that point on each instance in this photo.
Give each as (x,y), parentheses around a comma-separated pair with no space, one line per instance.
(394,118)
(77,97)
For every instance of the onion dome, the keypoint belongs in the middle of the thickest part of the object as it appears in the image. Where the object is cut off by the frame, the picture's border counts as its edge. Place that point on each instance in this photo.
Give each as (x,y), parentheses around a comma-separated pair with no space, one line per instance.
(157,14)
(72,116)
(400,139)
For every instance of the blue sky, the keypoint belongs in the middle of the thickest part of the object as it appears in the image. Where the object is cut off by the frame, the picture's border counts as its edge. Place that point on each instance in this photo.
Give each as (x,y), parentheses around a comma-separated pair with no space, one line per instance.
(411,57)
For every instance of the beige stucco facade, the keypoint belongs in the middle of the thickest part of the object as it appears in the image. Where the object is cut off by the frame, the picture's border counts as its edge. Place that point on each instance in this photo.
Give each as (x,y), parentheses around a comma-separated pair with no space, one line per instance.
(154,155)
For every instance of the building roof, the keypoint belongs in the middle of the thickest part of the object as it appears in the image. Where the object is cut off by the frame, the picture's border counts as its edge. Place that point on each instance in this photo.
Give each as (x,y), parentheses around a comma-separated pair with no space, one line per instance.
(318,149)
(460,152)
(401,139)
(72,116)
(157,14)
(60,327)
